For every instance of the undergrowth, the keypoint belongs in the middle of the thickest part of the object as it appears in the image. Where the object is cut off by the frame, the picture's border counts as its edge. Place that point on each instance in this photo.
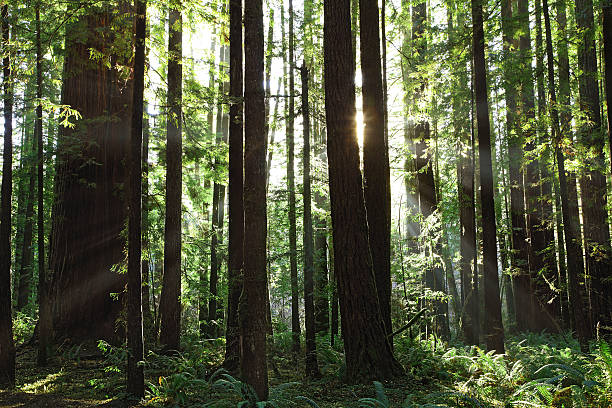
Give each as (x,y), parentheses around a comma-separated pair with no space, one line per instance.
(539,370)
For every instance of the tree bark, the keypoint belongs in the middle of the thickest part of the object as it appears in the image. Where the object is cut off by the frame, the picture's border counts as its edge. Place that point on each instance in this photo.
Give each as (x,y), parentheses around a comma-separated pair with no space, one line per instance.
(236,206)
(170,304)
(25,266)
(295,302)
(45,320)
(567,183)
(494,335)
(253,310)
(135,369)
(376,173)
(312,366)
(90,206)
(593,179)
(367,350)
(519,260)
(7,346)
(467,227)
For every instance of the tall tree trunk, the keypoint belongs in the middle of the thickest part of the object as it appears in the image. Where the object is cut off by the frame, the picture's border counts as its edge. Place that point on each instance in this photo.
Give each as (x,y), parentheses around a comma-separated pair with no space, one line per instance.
(86,240)
(236,206)
(295,297)
(547,297)
(412,199)
(519,259)
(607,48)
(170,304)
(218,203)
(537,317)
(567,183)
(376,173)
(593,179)
(25,265)
(312,366)
(253,311)
(146,202)
(135,372)
(367,350)
(434,275)
(44,307)
(7,346)
(204,281)
(467,260)
(494,335)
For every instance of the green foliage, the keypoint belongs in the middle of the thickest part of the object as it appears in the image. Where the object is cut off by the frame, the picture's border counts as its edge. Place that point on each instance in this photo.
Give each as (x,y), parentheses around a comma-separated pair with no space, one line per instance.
(23,327)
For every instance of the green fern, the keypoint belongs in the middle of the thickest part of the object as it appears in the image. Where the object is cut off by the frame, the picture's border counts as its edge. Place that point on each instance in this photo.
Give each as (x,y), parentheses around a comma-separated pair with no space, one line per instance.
(380,401)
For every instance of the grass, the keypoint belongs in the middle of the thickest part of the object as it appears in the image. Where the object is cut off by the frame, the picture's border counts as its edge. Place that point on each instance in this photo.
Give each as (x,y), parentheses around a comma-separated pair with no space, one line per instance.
(537,371)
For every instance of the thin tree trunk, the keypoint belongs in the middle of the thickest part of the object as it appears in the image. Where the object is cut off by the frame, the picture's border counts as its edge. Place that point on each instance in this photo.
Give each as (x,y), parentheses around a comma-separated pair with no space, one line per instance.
(254,316)
(135,372)
(295,302)
(146,202)
(236,206)
(519,259)
(170,305)
(494,335)
(312,366)
(571,223)
(7,346)
(45,322)
(25,266)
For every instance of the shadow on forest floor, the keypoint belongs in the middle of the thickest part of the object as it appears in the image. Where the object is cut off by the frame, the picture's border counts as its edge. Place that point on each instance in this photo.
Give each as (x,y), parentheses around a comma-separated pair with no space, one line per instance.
(67,381)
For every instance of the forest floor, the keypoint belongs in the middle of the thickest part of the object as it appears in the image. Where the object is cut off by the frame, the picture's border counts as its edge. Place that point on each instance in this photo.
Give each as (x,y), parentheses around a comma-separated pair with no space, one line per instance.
(537,371)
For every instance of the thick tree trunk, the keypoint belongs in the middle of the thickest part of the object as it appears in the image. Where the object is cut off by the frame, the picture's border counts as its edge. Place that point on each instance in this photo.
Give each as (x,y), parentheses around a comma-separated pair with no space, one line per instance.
(494,335)
(236,208)
(607,46)
(253,310)
(135,369)
(170,304)
(367,350)
(593,179)
(90,198)
(7,346)
(376,173)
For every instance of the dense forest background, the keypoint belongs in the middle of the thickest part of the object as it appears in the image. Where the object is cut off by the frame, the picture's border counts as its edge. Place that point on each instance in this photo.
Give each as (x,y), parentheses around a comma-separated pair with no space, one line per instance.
(283,201)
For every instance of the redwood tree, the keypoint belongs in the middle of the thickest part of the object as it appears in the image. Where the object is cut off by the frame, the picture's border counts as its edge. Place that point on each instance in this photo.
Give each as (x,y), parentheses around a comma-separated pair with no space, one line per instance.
(135,370)
(236,208)
(367,350)
(170,303)
(376,173)
(90,199)
(7,346)
(494,330)
(253,309)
